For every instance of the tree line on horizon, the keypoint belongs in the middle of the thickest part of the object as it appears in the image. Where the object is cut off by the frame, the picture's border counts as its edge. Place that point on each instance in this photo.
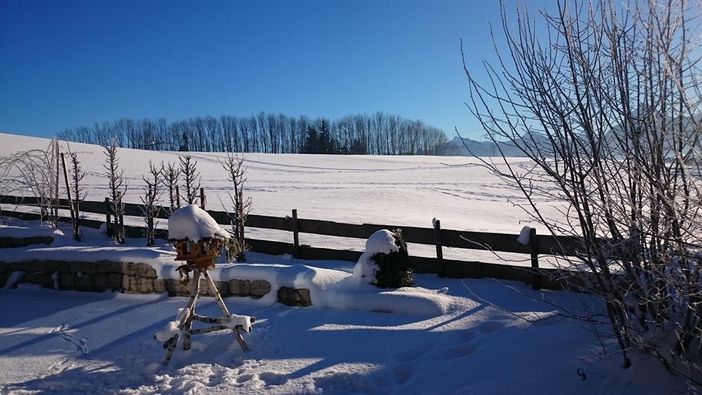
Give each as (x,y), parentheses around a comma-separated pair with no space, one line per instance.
(361,134)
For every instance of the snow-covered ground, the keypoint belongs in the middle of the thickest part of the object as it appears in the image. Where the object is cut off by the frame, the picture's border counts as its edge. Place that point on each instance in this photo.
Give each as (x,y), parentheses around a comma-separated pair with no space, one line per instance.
(444,336)
(496,337)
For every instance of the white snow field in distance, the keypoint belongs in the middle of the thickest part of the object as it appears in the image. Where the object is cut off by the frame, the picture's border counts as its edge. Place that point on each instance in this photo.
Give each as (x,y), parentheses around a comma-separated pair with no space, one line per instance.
(394,190)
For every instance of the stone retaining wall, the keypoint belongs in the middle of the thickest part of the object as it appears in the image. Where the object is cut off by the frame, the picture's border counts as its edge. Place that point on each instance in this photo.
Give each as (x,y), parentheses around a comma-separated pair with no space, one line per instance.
(135,278)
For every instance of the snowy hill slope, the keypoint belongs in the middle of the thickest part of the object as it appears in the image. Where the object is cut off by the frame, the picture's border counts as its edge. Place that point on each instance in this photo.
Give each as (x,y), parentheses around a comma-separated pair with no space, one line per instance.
(402,190)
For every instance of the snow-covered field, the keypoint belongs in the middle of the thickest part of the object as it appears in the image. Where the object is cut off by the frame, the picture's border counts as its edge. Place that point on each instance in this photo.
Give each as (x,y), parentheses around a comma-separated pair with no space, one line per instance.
(444,336)
(401,190)
(397,190)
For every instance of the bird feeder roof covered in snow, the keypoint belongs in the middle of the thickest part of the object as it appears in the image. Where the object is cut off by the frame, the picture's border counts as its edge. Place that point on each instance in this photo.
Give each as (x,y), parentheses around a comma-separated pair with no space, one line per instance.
(196,234)
(193,223)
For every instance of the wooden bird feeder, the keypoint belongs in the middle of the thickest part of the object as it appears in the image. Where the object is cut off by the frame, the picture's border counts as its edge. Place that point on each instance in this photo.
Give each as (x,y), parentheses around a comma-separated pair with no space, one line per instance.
(199,257)
(200,254)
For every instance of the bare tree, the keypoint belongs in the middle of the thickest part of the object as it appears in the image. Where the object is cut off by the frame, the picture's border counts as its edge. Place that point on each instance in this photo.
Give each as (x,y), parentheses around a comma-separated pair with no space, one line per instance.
(77,175)
(605,102)
(236,174)
(191,178)
(34,171)
(171,175)
(117,188)
(152,192)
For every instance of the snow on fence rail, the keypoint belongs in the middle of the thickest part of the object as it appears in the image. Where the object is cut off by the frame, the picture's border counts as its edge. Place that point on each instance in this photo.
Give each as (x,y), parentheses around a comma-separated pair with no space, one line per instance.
(440,238)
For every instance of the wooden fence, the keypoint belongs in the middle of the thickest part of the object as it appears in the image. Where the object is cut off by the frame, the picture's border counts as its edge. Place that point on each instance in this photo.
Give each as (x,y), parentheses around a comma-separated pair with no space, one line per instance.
(439,238)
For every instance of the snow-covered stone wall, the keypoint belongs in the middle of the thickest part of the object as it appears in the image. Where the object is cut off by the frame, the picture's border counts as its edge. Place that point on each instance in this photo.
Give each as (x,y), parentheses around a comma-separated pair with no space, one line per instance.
(133,277)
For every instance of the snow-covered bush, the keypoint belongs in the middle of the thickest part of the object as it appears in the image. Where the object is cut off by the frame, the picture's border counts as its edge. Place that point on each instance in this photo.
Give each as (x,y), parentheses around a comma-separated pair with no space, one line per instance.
(385,262)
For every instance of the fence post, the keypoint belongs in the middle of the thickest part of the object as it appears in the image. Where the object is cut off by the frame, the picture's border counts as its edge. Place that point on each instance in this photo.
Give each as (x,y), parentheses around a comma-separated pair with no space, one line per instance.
(296,234)
(202,198)
(56,180)
(68,188)
(119,222)
(151,234)
(441,270)
(534,247)
(108,217)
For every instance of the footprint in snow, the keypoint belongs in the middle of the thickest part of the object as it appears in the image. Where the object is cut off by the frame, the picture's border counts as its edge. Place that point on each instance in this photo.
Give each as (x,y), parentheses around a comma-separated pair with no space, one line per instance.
(244,378)
(403,373)
(271,378)
(463,335)
(489,327)
(409,355)
(214,379)
(460,351)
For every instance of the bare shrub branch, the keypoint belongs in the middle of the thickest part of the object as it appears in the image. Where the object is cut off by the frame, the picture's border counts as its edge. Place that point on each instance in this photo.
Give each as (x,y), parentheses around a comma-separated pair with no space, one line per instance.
(604,100)
(236,174)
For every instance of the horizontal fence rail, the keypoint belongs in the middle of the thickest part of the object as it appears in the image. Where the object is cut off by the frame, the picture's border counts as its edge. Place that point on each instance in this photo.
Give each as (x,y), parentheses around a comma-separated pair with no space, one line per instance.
(440,238)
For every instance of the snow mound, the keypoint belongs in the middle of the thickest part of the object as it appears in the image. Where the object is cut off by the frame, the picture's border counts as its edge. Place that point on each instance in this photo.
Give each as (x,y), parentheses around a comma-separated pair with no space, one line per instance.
(413,301)
(193,223)
(337,289)
(364,271)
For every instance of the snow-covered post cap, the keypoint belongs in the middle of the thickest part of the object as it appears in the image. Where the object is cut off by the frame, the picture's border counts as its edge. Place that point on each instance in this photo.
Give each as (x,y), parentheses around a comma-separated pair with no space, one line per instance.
(193,223)
(524,236)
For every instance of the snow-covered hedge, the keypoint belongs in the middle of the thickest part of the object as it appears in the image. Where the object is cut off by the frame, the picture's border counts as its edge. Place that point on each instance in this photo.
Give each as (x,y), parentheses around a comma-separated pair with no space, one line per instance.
(385,262)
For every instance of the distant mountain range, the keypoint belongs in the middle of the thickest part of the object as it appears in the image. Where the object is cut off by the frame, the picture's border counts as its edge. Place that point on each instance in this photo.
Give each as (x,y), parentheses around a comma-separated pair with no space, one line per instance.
(467,147)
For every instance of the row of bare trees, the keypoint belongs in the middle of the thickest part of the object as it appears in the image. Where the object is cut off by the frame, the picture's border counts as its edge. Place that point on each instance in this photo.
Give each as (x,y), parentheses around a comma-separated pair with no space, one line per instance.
(37,173)
(605,100)
(379,133)
(167,178)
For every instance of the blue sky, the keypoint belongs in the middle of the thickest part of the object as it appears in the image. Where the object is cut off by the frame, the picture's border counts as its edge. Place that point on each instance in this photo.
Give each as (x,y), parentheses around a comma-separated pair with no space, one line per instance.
(70,63)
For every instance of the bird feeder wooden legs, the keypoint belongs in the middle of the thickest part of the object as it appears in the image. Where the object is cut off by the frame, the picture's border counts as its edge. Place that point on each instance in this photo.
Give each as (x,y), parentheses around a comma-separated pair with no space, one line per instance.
(223,307)
(187,316)
(194,294)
